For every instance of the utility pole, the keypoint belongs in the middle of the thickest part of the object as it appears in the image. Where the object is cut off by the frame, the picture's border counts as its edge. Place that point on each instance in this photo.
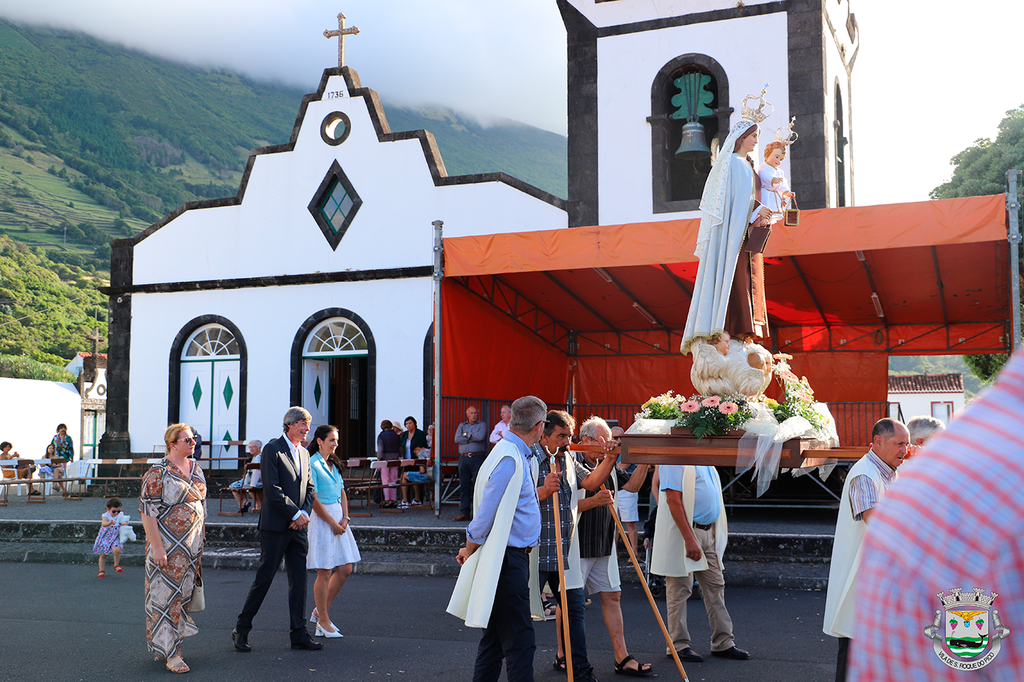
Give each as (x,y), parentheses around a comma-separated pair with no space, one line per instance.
(1013,209)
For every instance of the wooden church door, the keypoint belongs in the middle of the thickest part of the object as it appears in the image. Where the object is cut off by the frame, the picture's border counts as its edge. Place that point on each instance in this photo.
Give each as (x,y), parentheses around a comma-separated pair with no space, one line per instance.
(210,372)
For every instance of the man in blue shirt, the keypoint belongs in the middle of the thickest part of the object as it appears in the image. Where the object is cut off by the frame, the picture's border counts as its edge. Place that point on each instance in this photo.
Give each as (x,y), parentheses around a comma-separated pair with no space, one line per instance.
(509,633)
(701,537)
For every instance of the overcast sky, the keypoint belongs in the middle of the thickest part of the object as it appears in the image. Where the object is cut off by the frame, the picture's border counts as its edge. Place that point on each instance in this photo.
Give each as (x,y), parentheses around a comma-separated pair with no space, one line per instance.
(930,79)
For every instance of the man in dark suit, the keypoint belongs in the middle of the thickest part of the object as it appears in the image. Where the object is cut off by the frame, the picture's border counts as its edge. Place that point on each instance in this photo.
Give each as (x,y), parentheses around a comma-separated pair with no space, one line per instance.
(287,501)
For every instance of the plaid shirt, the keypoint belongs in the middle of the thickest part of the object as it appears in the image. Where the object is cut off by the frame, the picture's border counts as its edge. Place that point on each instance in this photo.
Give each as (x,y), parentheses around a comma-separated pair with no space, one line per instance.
(954,519)
(548,559)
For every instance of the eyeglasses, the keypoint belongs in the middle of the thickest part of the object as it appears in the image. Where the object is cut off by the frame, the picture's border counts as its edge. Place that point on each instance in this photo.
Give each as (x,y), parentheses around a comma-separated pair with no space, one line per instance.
(190,441)
(545,422)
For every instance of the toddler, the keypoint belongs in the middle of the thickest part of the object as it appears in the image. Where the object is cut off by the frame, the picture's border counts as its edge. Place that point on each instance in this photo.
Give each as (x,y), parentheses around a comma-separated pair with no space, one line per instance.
(109,539)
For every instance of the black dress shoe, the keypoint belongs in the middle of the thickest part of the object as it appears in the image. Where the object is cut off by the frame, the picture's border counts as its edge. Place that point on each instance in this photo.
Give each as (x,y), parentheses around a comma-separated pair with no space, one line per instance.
(688,654)
(308,643)
(734,653)
(241,641)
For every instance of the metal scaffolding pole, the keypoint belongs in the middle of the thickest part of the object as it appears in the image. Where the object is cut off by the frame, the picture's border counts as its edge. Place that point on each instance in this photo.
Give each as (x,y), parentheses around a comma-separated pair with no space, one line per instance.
(1013,209)
(435,447)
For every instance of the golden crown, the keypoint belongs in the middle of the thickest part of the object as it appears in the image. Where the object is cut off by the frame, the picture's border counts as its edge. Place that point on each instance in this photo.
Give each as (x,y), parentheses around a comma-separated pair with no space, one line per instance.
(749,113)
(786,135)
(978,598)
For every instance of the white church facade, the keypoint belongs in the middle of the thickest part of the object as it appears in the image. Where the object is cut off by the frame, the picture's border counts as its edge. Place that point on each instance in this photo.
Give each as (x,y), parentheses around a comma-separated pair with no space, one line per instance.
(313,284)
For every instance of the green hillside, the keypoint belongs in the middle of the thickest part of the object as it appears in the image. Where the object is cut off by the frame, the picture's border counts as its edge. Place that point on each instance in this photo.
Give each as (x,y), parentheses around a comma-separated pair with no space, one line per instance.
(98,141)
(531,154)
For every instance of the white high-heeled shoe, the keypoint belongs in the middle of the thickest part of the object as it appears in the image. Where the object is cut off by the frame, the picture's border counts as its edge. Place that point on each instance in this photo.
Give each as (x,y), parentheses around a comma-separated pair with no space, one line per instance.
(320,632)
(312,616)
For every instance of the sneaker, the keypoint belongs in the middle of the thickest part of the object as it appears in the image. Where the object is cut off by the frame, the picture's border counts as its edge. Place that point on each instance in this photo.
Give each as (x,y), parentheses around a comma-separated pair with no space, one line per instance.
(416,503)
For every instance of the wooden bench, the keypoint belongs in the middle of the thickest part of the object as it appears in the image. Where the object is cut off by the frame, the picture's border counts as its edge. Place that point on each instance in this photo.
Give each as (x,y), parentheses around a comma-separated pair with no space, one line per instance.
(256,492)
(368,481)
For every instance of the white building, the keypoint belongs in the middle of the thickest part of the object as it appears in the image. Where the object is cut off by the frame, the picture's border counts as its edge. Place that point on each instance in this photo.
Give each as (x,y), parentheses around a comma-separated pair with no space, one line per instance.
(312,286)
(935,395)
(32,410)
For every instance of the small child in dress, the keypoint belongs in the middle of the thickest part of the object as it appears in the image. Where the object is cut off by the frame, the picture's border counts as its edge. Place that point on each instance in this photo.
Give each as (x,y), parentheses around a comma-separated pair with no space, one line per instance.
(109,539)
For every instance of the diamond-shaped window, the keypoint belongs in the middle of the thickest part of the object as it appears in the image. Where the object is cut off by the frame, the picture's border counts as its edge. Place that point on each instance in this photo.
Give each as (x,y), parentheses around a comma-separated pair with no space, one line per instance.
(334,205)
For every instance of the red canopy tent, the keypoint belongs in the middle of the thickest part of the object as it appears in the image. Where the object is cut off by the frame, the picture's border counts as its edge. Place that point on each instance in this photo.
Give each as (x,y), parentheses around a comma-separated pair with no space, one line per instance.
(597,312)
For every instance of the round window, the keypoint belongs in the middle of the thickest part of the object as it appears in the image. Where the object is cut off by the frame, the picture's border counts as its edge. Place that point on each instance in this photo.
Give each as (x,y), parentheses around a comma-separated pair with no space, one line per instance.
(335,128)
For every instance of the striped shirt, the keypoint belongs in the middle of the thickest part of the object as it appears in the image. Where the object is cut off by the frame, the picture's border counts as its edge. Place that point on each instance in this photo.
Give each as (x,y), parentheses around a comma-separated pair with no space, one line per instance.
(954,519)
(863,495)
(597,528)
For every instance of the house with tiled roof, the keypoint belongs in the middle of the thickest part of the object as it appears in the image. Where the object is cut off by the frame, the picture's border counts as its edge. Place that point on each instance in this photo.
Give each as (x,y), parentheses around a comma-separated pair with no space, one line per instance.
(937,395)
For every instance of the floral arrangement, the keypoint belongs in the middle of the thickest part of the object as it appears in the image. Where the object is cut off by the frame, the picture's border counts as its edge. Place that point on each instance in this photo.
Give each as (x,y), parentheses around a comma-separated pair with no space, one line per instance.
(799,400)
(713,415)
(709,415)
(664,406)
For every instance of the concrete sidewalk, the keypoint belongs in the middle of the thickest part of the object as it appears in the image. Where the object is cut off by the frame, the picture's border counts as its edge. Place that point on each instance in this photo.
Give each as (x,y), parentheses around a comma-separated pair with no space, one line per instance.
(767,548)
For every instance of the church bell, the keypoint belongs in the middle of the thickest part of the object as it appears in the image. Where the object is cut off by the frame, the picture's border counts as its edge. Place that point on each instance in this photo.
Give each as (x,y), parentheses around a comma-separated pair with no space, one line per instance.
(693,145)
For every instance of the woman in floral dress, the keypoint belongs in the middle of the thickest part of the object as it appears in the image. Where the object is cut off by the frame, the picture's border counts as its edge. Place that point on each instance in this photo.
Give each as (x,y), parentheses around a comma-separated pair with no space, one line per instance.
(173,508)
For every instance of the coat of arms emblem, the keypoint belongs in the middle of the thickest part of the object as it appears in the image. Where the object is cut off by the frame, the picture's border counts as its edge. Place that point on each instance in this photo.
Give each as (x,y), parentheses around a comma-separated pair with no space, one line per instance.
(966,633)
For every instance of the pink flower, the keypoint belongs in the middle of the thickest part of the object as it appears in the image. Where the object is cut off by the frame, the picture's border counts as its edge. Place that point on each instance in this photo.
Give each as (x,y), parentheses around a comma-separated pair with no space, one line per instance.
(728,408)
(711,401)
(689,406)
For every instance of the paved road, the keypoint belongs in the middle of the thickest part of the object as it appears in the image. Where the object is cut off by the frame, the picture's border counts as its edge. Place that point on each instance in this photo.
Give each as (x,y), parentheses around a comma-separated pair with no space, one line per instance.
(60,622)
(741,520)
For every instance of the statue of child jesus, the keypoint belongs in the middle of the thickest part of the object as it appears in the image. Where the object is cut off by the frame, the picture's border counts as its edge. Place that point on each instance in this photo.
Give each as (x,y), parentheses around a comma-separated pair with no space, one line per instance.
(775,192)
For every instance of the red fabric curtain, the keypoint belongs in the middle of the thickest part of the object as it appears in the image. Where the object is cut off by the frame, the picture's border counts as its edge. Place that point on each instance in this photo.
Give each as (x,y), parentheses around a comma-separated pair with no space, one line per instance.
(487,354)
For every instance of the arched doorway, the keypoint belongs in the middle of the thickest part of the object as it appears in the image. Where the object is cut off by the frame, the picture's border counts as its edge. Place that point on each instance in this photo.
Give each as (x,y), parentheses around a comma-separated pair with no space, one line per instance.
(336,381)
(210,390)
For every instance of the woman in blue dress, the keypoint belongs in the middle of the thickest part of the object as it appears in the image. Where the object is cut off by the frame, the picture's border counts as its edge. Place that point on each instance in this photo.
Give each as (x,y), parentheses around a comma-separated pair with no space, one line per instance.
(332,549)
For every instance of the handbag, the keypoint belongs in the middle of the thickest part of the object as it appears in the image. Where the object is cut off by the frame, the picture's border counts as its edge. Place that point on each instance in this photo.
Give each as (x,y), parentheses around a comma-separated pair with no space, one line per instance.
(791,216)
(198,602)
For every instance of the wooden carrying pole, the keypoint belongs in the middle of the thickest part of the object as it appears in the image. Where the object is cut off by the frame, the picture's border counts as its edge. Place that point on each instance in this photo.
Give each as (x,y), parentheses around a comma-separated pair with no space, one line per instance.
(647,589)
(561,575)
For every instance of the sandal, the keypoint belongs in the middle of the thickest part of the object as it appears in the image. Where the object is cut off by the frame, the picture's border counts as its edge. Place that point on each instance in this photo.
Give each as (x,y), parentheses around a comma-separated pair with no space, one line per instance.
(119,569)
(559,664)
(640,670)
(102,574)
(179,667)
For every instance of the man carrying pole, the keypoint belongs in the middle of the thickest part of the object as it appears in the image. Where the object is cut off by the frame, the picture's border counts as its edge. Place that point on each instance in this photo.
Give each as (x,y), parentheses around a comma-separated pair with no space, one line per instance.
(570,477)
(598,554)
(493,591)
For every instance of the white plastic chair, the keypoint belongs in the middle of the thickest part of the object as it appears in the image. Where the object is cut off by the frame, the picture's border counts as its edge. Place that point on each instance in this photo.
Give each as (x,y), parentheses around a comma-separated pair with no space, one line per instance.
(81,468)
(10,471)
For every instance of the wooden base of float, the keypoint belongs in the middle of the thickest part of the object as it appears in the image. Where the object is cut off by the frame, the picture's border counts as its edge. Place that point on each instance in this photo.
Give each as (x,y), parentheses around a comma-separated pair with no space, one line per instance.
(681,447)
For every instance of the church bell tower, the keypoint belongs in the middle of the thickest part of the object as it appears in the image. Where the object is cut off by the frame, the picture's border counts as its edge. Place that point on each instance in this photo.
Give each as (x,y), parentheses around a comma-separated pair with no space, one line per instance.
(631,65)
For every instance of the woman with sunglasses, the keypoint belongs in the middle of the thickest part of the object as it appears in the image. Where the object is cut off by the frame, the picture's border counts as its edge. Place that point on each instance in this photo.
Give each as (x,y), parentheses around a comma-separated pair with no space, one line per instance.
(173,508)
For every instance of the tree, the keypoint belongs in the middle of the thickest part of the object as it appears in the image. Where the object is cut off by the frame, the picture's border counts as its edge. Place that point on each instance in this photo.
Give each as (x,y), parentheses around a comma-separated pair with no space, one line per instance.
(980,170)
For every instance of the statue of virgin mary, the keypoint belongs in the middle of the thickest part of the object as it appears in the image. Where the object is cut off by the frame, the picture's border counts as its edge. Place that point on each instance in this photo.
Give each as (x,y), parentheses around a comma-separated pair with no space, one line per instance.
(728,294)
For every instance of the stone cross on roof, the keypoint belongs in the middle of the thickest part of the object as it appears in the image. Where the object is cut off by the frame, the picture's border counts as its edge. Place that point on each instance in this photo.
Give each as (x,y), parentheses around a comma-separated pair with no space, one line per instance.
(340,35)
(96,339)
